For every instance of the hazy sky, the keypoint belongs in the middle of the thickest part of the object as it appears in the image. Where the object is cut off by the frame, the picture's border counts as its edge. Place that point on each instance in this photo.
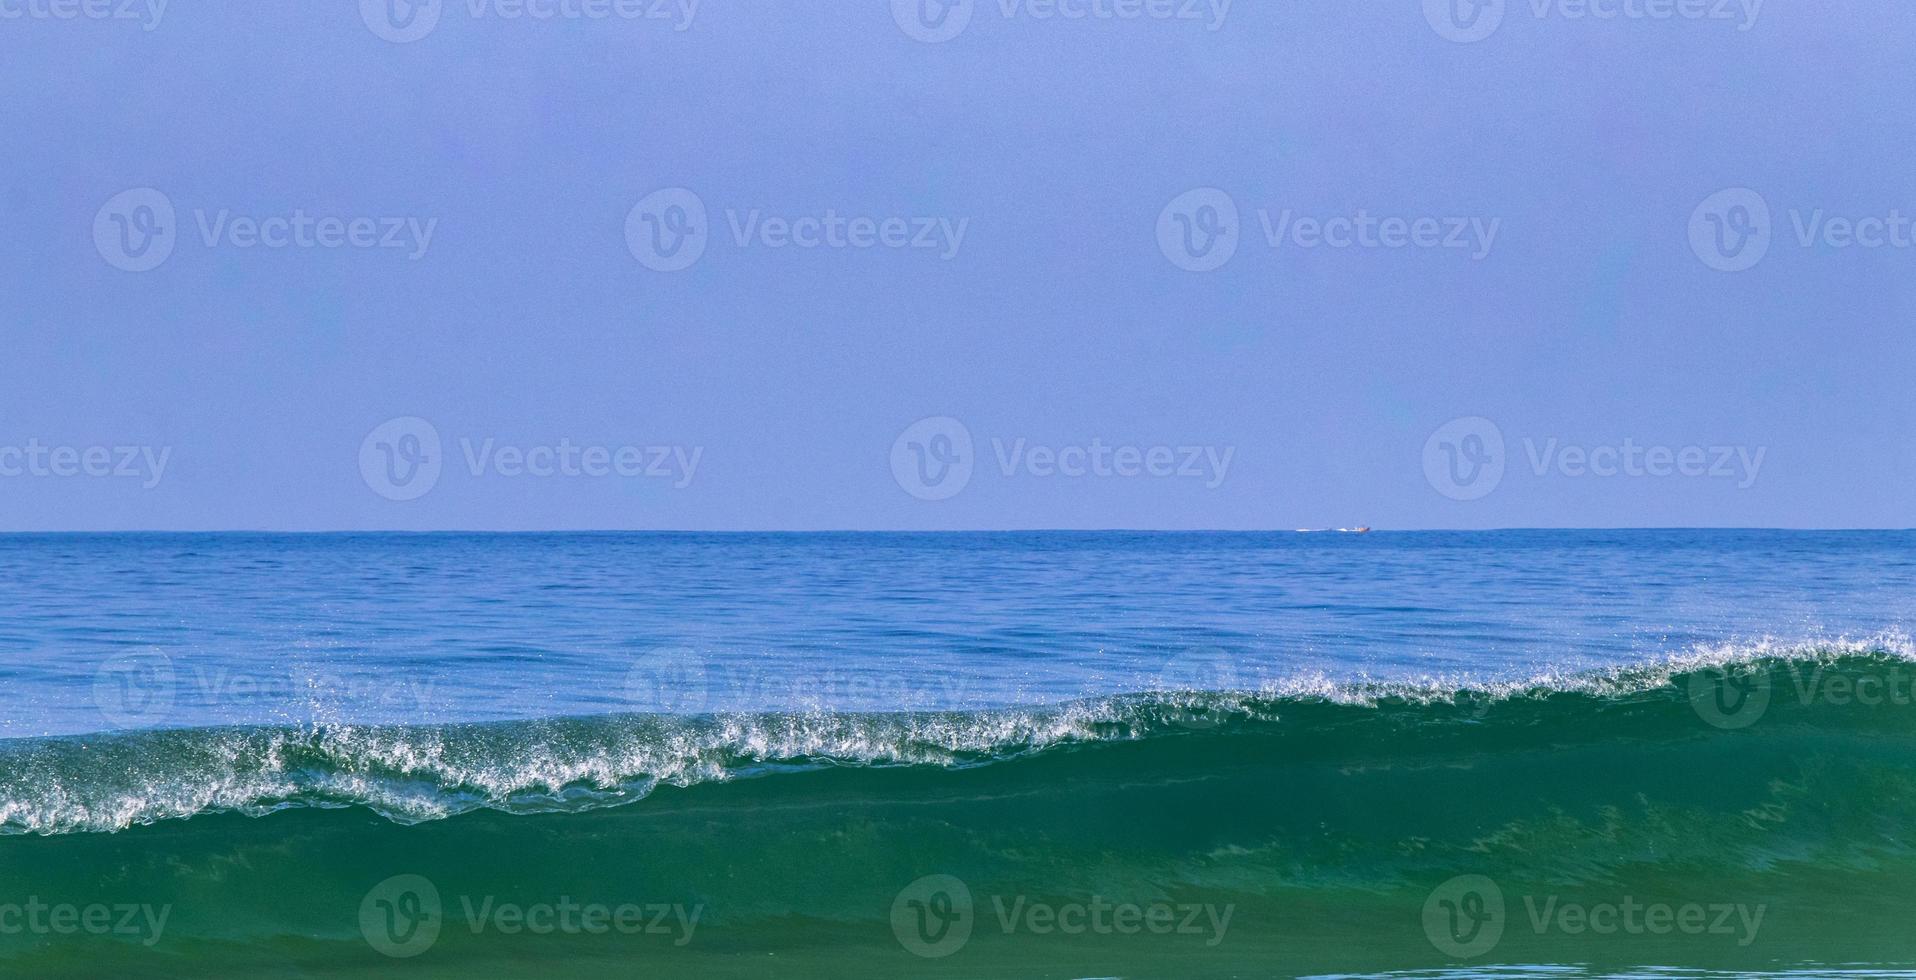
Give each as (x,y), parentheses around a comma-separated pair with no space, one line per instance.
(652,264)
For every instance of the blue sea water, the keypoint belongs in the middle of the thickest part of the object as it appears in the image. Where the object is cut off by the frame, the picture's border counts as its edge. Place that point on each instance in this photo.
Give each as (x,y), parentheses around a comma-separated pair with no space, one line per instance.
(854,755)
(183,630)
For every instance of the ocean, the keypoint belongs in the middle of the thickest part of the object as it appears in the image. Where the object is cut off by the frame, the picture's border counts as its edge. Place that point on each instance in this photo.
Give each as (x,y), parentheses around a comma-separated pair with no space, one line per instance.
(1555,754)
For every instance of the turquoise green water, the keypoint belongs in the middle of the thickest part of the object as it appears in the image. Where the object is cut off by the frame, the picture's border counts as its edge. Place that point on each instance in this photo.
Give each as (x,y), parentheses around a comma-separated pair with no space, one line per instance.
(1677,817)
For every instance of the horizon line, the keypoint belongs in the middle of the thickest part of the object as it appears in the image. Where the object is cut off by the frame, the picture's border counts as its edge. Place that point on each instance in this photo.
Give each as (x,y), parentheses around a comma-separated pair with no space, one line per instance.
(982,530)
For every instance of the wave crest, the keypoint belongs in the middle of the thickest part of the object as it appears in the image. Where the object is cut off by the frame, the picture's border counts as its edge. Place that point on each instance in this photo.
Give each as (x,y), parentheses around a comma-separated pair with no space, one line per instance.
(411,774)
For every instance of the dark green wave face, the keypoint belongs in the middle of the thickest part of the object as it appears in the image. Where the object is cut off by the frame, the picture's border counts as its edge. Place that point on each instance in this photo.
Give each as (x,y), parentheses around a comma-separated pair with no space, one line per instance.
(1754,819)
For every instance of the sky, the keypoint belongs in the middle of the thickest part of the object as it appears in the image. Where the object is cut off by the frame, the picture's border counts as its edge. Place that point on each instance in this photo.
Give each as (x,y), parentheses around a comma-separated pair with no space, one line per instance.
(554,264)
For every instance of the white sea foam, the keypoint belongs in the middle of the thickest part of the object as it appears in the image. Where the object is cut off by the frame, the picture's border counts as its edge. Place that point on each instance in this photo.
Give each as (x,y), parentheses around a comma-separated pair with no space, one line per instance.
(416,773)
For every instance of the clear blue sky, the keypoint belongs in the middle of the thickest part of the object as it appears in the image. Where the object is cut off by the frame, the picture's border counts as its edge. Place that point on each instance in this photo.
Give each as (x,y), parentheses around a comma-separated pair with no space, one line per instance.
(1046,165)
